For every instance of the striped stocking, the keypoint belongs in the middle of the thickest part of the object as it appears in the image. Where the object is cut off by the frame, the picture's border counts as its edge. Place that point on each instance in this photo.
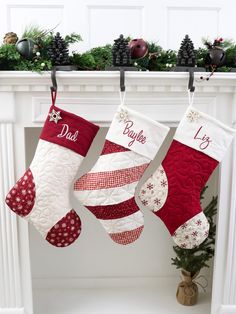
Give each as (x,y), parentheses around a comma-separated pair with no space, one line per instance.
(108,189)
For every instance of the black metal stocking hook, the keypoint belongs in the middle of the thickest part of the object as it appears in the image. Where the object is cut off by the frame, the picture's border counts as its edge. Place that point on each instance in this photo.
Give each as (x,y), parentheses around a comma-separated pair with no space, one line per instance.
(191,80)
(122,79)
(54,79)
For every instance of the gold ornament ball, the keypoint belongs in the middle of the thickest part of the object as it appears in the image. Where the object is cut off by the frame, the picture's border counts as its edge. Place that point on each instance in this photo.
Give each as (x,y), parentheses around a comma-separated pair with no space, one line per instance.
(10,38)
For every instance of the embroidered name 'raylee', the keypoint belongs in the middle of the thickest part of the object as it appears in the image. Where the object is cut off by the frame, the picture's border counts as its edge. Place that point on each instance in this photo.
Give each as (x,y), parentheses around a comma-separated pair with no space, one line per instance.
(67,134)
(135,136)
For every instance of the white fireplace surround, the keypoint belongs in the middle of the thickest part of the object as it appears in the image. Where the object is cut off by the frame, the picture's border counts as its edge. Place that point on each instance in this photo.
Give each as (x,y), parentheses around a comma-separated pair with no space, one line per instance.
(24,102)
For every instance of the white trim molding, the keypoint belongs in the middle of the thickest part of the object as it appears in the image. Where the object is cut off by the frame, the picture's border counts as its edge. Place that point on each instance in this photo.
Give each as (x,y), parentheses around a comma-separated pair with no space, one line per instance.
(162,96)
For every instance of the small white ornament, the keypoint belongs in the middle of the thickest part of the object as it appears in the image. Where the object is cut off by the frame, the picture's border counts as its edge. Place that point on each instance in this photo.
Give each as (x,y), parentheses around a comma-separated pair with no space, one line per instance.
(37,53)
(55,116)
(193,116)
(123,115)
(42,64)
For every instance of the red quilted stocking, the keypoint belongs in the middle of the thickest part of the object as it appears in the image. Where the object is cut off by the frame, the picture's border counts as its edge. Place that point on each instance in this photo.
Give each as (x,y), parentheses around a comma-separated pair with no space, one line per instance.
(173,191)
(41,195)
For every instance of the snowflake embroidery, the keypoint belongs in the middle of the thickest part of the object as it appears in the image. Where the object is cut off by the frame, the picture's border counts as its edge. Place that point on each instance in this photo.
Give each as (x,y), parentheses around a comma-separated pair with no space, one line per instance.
(161,171)
(174,234)
(150,186)
(183,245)
(123,115)
(157,201)
(195,233)
(193,116)
(206,233)
(186,237)
(184,226)
(198,222)
(143,192)
(144,202)
(163,183)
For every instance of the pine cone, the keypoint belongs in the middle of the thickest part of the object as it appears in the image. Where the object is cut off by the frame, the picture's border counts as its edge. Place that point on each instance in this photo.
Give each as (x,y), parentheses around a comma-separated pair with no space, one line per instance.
(58,51)
(186,54)
(121,55)
(10,38)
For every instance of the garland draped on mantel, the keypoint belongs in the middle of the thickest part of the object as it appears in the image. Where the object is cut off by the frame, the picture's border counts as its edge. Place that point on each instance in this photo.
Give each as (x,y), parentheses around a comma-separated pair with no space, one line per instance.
(98,58)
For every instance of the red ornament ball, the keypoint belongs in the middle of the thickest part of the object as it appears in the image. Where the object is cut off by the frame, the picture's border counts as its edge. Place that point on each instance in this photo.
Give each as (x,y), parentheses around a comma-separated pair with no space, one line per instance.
(138,48)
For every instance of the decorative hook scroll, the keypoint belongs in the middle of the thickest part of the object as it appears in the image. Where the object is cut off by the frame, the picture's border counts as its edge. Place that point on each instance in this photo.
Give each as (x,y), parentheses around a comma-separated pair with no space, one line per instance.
(59,68)
(191,80)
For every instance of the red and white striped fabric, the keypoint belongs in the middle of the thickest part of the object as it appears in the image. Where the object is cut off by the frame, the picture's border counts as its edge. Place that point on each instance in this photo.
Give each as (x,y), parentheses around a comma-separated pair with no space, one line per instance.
(108,189)
(41,195)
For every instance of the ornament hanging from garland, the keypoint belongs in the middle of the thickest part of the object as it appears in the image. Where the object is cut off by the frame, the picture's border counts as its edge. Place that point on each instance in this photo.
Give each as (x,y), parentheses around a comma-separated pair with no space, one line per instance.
(121,55)
(139,48)
(10,38)
(27,48)
(186,54)
(58,51)
(215,56)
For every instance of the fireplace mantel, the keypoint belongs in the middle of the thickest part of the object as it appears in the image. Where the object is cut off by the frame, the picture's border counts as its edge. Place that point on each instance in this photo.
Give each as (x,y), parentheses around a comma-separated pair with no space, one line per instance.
(25,99)
(107,81)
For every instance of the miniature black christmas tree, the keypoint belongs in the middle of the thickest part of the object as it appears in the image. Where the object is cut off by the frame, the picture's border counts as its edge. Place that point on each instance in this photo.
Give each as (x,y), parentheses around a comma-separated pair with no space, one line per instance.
(186,54)
(58,51)
(121,55)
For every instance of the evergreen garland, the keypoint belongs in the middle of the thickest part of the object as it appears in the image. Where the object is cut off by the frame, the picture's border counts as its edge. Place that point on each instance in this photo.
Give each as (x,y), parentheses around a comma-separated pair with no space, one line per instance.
(195,259)
(98,58)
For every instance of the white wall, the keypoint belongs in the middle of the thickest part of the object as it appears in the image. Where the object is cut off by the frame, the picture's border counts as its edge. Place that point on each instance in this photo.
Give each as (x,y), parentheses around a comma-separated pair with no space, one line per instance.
(99,22)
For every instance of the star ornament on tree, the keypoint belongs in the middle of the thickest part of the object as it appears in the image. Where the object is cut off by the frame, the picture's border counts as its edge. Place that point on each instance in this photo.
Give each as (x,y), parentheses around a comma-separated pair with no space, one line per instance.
(55,116)
(193,116)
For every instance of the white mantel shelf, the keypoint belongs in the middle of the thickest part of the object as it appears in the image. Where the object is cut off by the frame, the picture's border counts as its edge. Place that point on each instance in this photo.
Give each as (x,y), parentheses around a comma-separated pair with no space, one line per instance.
(24,102)
(108,81)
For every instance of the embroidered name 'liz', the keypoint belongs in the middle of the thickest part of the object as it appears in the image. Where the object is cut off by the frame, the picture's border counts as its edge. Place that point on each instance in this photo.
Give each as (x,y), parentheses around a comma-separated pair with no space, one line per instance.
(133,135)
(205,140)
(68,135)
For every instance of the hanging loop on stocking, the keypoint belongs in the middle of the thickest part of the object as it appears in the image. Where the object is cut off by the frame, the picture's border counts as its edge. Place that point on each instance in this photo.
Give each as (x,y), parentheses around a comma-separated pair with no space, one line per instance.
(122,97)
(190,98)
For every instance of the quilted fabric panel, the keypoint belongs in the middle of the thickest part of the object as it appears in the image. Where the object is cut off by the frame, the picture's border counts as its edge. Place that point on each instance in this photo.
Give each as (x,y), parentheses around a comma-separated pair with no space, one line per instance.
(66,231)
(126,237)
(106,196)
(127,223)
(53,168)
(109,194)
(187,171)
(21,197)
(154,192)
(193,232)
(112,162)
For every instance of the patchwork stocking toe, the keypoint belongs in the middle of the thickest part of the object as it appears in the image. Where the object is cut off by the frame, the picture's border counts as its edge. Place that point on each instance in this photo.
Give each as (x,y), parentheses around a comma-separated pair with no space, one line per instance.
(41,195)
(173,191)
(108,189)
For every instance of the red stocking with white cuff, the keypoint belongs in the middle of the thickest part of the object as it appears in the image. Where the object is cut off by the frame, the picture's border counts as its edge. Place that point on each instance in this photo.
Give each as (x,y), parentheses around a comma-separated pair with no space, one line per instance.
(41,195)
(173,191)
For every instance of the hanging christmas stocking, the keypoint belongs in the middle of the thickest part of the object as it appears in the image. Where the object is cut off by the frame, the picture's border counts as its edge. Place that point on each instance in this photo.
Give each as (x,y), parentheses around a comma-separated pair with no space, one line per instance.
(41,195)
(173,191)
(108,189)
